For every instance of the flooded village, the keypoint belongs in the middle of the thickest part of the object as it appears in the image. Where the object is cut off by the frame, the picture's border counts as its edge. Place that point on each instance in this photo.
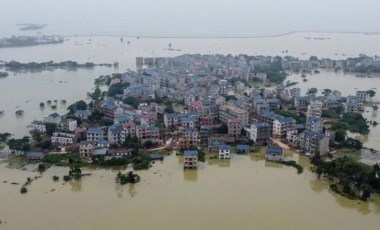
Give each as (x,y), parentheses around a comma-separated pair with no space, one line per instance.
(185,119)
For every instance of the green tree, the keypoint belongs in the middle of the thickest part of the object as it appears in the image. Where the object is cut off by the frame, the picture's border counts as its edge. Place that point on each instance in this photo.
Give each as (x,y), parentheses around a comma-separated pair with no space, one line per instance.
(312,91)
(326,92)
(340,135)
(79,105)
(371,93)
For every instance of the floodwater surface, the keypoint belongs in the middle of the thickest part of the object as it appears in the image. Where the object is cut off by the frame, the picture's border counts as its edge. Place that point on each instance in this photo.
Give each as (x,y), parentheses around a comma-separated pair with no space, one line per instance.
(245,193)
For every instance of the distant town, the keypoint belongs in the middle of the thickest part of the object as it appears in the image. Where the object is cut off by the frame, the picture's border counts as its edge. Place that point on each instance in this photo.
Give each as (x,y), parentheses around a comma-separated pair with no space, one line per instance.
(22,41)
(200,104)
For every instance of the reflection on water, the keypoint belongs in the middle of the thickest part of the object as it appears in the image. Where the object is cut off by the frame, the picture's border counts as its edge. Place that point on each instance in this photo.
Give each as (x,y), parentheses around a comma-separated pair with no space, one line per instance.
(190,175)
(245,194)
(76,185)
(132,189)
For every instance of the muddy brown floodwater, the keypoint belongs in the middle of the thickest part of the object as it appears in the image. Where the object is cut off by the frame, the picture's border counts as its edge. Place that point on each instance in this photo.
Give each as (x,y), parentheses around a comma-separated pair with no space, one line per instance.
(245,193)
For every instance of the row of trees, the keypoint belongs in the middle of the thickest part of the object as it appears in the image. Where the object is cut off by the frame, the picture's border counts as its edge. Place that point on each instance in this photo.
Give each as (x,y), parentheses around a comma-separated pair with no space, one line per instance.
(14,65)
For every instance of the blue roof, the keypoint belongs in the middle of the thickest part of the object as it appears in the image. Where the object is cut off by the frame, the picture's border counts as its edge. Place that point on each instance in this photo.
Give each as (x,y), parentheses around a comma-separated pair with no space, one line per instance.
(299,126)
(170,115)
(154,129)
(190,153)
(314,119)
(94,130)
(285,119)
(115,128)
(262,124)
(315,134)
(274,150)
(54,115)
(100,152)
(191,130)
(224,147)
(243,147)
(206,127)
(103,142)
(35,154)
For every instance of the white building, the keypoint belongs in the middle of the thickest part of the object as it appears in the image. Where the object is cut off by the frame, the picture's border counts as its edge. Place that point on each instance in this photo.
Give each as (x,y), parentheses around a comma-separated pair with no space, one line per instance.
(63,139)
(224,152)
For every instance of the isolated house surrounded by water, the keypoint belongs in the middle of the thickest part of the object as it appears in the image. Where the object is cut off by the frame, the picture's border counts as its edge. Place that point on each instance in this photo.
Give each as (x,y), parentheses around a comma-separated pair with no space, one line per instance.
(190,159)
(274,153)
(224,151)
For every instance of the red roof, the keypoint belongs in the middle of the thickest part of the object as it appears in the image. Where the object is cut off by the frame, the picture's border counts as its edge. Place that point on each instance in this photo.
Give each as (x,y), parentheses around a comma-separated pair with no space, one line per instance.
(234,121)
(129,124)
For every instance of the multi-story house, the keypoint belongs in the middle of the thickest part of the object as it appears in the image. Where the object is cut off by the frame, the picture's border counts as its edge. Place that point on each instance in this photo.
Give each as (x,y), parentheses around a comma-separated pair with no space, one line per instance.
(301,103)
(95,134)
(116,134)
(224,151)
(129,129)
(262,108)
(206,121)
(362,96)
(282,125)
(204,133)
(314,110)
(86,148)
(190,158)
(82,114)
(215,140)
(190,138)
(229,111)
(261,132)
(273,104)
(69,125)
(53,118)
(274,153)
(292,138)
(171,120)
(314,124)
(37,126)
(313,143)
(63,139)
(351,107)
(146,132)
(234,127)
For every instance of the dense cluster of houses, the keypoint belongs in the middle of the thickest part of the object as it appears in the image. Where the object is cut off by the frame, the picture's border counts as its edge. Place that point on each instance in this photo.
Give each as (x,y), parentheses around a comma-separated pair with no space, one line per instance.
(212,92)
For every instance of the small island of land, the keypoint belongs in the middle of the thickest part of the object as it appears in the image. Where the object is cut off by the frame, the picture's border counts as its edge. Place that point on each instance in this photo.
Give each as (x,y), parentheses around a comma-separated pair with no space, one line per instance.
(15,66)
(27,27)
(22,41)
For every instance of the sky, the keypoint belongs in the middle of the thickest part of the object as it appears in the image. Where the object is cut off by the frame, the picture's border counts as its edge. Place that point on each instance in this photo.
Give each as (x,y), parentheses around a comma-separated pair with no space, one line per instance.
(190,18)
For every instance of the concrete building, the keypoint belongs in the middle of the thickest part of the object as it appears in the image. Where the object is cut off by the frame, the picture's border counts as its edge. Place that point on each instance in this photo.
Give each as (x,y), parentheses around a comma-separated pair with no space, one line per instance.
(282,125)
(261,132)
(224,151)
(230,111)
(190,158)
(314,110)
(313,143)
(191,138)
(314,124)
(234,127)
(274,153)
(63,139)
(95,134)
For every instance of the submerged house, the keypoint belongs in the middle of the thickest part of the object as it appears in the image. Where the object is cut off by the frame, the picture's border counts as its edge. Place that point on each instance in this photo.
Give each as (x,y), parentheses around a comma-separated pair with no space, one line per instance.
(190,159)
(274,153)
(224,151)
